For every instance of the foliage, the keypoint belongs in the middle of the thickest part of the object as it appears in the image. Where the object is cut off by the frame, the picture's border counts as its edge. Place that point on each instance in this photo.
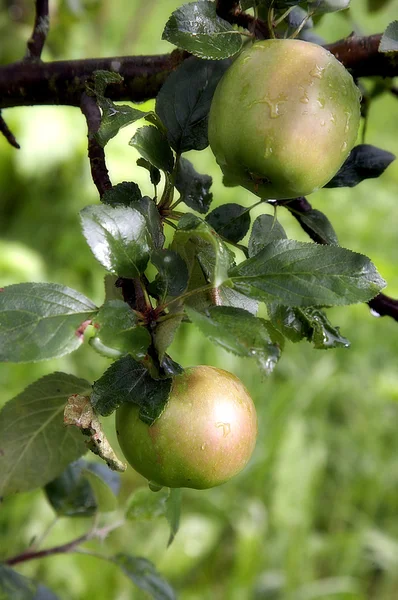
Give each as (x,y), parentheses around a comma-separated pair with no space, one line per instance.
(234,273)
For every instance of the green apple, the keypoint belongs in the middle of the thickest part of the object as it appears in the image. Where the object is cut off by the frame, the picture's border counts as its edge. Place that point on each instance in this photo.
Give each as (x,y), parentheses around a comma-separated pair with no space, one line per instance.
(284,118)
(205,435)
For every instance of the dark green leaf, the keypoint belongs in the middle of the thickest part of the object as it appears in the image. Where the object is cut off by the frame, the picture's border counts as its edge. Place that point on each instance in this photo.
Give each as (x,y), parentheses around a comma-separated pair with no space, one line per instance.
(231,221)
(35,445)
(173,273)
(300,274)
(266,229)
(309,323)
(173,512)
(213,255)
(364,162)
(14,586)
(238,331)
(165,332)
(125,193)
(318,227)
(154,173)
(184,100)
(119,328)
(195,27)
(144,575)
(104,78)
(152,144)
(129,381)
(194,187)
(39,321)
(118,237)
(71,494)
(114,117)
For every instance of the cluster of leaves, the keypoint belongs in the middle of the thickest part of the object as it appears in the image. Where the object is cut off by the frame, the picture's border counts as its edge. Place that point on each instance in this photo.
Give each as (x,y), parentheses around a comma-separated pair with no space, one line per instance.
(216,271)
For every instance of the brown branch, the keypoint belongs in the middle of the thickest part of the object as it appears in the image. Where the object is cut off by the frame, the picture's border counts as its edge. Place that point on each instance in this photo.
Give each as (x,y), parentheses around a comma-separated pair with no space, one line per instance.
(361,55)
(33,554)
(230,11)
(63,82)
(383,305)
(40,31)
(8,133)
(96,153)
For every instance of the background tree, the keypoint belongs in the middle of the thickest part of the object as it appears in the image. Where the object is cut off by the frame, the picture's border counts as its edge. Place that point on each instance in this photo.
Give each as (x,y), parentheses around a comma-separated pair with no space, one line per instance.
(319,490)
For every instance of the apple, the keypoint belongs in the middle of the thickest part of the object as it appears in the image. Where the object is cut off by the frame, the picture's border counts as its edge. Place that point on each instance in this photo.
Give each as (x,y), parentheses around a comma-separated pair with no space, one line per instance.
(283,118)
(205,435)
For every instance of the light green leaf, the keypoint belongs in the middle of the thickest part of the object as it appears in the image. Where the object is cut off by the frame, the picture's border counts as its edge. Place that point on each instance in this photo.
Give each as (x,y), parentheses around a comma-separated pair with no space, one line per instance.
(118,237)
(39,321)
(35,445)
(145,576)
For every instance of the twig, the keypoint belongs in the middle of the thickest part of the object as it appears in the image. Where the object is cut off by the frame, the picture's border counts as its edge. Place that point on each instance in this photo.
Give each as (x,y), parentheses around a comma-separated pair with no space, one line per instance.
(382,305)
(8,133)
(96,152)
(40,31)
(71,546)
(231,12)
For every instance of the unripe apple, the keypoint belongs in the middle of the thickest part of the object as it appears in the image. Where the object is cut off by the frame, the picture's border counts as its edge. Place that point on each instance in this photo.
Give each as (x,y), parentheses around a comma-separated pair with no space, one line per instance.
(205,435)
(284,118)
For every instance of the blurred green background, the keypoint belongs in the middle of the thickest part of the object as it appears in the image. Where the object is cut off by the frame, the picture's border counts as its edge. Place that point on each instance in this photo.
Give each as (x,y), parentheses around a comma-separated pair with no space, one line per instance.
(315,514)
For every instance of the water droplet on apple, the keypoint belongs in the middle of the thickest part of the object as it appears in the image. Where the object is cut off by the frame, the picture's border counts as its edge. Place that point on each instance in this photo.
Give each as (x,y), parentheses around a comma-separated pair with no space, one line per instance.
(317,72)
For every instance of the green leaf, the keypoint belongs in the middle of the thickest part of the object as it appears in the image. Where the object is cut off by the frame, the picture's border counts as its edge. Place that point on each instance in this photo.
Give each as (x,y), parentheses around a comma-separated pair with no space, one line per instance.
(231,221)
(126,193)
(364,162)
(119,328)
(318,226)
(266,229)
(184,100)
(118,237)
(129,381)
(238,331)
(71,495)
(35,446)
(213,255)
(154,173)
(99,478)
(39,321)
(173,512)
(114,116)
(145,576)
(143,504)
(165,332)
(229,297)
(309,323)
(14,586)
(300,274)
(152,144)
(194,187)
(195,27)
(173,273)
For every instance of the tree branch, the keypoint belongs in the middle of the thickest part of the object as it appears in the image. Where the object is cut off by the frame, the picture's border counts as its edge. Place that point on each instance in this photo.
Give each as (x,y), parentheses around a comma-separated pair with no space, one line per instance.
(383,305)
(361,55)
(96,153)
(40,31)
(8,133)
(230,11)
(63,82)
